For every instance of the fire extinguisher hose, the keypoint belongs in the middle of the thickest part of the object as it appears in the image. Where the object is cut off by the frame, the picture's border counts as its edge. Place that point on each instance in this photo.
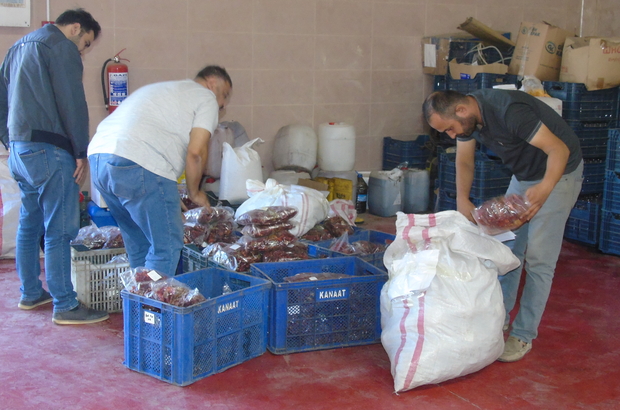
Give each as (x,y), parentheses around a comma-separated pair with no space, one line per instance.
(106,101)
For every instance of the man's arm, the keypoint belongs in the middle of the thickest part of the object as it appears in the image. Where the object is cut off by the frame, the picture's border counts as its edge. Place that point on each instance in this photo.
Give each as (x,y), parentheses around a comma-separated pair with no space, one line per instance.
(557,157)
(465,167)
(4,108)
(66,70)
(195,163)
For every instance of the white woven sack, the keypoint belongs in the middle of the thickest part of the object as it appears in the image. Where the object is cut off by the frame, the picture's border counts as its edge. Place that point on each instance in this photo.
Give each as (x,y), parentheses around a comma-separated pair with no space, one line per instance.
(239,165)
(312,207)
(442,310)
(222,134)
(10,202)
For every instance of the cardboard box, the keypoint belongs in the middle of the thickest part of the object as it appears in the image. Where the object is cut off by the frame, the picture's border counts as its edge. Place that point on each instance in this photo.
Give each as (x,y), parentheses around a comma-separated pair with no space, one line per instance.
(593,61)
(319,186)
(539,51)
(438,50)
(468,71)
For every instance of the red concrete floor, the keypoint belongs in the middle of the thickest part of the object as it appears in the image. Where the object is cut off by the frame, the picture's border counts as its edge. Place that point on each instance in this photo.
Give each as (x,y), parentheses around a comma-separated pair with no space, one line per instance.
(574,364)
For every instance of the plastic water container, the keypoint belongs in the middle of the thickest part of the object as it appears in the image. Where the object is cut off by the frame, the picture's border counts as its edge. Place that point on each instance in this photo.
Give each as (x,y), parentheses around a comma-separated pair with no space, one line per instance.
(295,148)
(417,185)
(336,150)
(386,193)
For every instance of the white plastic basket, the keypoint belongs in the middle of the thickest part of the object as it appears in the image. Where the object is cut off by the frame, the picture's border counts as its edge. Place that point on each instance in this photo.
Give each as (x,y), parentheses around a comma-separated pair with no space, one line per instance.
(96,281)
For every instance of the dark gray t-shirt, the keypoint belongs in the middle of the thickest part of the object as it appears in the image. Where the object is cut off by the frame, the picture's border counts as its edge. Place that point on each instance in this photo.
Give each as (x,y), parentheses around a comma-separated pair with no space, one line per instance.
(511,119)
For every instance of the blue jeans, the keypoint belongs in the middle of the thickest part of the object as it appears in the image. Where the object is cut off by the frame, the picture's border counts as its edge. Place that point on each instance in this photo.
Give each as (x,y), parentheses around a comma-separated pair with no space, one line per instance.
(50,206)
(147,208)
(538,243)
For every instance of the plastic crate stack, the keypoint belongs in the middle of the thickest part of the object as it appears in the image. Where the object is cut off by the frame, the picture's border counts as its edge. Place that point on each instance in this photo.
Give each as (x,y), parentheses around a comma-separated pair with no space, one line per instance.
(95,277)
(491,179)
(480,81)
(591,114)
(414,152)
(609,240)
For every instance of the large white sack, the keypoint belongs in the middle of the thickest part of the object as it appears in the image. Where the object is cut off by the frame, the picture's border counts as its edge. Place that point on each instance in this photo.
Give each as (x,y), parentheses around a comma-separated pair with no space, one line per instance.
(442,309)
(222,134)
(239,165)
(312,206)
(230,132)
(10,198)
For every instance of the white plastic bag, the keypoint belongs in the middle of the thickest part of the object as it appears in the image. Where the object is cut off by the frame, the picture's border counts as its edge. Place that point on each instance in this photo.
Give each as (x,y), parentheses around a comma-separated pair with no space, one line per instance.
(312,207)
(231,132)
(221,135)
(10,197)
(238,166)
(442,309)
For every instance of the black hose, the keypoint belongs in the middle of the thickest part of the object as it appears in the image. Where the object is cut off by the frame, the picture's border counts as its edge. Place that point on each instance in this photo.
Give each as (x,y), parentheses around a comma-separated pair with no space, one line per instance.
(105,93)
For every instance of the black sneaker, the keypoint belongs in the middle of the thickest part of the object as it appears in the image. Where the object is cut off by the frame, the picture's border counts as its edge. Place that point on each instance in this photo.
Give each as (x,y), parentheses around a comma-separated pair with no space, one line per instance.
(79,315)
(31,304)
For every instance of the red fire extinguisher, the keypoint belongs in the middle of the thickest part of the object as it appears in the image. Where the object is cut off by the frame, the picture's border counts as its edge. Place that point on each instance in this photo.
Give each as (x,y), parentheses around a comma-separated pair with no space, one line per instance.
(114,81)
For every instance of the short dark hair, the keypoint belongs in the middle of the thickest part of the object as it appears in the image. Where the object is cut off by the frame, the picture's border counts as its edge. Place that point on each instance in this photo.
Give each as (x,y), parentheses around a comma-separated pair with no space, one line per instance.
(81,16)
(214,71)
(442,103)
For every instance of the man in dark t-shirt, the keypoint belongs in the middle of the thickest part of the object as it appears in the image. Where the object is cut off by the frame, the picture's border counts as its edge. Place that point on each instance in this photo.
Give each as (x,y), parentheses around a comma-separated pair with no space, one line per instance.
(544,155)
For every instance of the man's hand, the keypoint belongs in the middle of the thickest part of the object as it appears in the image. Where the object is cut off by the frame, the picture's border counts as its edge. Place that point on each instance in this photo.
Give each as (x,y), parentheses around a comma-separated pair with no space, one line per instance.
(536,196)
(465,207)
(80,170)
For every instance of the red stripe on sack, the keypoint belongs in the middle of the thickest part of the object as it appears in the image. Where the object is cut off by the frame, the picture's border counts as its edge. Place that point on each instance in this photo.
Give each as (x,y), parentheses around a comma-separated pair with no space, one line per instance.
(411,224)
(415,360)
(403,334)
(305,207)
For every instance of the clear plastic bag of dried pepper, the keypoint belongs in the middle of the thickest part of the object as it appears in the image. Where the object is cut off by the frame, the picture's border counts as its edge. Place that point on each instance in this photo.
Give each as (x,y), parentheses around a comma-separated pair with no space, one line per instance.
(204,215)
(501,214)
(267,216)
(175,293)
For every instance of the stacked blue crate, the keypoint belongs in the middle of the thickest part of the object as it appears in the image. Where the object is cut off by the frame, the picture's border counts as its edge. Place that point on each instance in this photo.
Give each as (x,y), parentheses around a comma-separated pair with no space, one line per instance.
(592,115)
(491,179)
(609,239)
(584,220)
(480,81)
(396,152)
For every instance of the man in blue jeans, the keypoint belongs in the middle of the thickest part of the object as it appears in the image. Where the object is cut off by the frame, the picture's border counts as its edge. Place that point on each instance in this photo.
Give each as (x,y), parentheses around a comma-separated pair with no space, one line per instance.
(143,147)
(44,124)
(544,155)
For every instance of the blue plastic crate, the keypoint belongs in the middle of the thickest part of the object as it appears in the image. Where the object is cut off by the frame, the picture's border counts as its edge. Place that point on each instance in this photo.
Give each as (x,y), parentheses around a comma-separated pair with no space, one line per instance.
(100,216)
(613,150)
(593,176)
(491,177)
(396,152)
(611,192)
(323,314)
(582,105)
(193,259)
(321,249)
(182,345)
(446,201)
(609,241)
(584,221)
(593,136)
(486,151)
(480,81)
